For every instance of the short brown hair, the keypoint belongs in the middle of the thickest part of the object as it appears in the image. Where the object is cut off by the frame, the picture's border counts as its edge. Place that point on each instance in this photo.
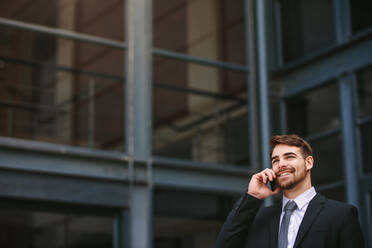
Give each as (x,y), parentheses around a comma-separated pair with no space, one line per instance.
(291,140)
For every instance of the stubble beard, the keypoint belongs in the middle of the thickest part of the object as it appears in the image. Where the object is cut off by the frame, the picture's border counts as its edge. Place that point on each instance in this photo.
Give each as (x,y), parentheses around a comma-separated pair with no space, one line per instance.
(293,182)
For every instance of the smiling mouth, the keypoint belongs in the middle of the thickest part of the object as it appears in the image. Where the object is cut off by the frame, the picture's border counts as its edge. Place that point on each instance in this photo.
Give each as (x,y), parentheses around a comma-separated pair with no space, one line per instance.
(285,172)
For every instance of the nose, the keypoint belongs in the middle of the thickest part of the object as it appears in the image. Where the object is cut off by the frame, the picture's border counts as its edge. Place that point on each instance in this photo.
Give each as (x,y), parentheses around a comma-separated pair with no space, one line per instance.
(281,164)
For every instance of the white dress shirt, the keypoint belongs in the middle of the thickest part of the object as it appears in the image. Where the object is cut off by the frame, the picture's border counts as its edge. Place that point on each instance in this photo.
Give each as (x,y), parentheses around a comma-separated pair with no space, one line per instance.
(302,202)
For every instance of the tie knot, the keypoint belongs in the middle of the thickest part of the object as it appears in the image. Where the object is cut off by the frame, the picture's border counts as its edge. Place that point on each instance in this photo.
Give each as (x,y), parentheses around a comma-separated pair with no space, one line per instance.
(291,205)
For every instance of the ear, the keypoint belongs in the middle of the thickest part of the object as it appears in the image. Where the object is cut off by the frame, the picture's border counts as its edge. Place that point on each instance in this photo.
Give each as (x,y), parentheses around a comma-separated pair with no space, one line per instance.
(309,162)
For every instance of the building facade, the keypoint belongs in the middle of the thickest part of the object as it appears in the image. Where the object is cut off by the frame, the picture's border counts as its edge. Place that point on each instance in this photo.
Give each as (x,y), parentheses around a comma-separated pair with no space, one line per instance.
(137,123)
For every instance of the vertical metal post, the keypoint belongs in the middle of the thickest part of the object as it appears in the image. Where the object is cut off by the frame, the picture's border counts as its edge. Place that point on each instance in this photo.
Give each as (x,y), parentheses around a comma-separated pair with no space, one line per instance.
(91,117)
(347,106)
(250,37)
(138,86)
(342,19)
(283,116)
(263,82)
(138,119)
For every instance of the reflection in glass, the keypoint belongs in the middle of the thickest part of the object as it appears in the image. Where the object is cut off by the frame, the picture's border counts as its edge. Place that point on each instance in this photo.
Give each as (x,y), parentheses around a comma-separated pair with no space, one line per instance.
(328,160)
(58,90)
(94,17)
(366,140)
(31,229)
(307,27)
(360,15)
(364,90)
(337,194)
(212,29)
(315,111)
(188,219)
(198,111)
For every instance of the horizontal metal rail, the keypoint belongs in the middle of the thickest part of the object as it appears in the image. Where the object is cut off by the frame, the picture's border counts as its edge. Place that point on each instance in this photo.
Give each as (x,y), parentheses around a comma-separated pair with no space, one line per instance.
(323,135)
(62,33)
(197,60)
(365,120)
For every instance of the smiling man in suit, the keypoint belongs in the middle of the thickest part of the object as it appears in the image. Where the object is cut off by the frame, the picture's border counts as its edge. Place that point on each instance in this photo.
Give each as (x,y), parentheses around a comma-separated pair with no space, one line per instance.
(304,219)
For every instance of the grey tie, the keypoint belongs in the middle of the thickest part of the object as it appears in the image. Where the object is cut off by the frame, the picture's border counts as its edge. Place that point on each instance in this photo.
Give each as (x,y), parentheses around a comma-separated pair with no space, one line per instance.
(283,233)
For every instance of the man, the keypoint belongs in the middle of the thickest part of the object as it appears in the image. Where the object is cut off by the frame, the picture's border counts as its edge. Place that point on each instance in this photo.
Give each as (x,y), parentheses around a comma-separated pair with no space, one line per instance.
(305,218)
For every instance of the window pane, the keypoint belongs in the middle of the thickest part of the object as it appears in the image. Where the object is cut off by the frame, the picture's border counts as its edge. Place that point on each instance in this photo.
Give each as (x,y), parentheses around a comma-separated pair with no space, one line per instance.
(364,87)
(95,17)
(337,194)
(199,112)
(328,160)
(366,139)
(307,27)
(185,219)
(315,111)
(33,229)
(360,15)
(58,90)
(212,29)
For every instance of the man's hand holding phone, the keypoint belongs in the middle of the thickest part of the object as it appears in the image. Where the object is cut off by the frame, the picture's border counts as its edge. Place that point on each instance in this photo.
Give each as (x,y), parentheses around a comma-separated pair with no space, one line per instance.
(258,185)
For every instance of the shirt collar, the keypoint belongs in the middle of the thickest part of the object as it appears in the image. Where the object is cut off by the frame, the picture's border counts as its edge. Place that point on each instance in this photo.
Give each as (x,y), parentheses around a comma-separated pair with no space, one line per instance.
(301,200)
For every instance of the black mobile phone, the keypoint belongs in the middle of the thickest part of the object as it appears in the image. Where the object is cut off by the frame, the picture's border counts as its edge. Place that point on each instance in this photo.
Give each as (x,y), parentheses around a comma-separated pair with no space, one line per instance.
(273,185)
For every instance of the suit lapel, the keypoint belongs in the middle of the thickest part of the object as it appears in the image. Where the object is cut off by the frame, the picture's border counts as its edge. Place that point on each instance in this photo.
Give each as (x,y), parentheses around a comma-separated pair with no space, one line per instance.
(274,226)
(315,206)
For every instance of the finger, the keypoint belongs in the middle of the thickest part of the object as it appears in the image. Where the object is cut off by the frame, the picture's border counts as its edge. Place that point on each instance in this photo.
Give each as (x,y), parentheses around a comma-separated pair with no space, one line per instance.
(272,173)
(268,174)
(264,177)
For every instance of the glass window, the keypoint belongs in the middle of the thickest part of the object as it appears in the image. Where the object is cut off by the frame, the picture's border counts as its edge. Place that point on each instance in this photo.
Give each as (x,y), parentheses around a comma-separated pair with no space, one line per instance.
(94,17)
(35,229)
(188,219)
(306,26)
(337,194)
(328,160)
(364,91)
(360,14)
(314,111)
(59,90)
(198,110)
(212,29)
(366,140)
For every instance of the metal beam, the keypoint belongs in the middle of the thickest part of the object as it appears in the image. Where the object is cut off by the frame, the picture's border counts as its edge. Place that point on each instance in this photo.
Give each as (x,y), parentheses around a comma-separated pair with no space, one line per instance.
(33,157)
(348,105)
(24,185)
(197,60)
(263,81)
(345,58)
(250,36)
(342,17)
(139,73)
(61,33)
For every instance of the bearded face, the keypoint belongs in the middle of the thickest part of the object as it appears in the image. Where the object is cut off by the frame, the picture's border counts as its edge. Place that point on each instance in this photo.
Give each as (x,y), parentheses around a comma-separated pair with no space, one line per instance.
(290,166)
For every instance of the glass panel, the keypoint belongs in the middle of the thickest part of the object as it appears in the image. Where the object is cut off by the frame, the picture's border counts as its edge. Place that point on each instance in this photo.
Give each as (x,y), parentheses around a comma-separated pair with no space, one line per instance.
(307,27)
(199,112)
(328,160)
(95,17)
(32,229)
(58,90)
(360,14)
(185,219)
(337,194)
(366,139)
(364,89)
(212,29)
(314,111)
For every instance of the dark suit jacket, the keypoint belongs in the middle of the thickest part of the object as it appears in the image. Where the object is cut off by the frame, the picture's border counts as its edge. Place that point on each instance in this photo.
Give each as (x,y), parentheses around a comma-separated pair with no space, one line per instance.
(327,223)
